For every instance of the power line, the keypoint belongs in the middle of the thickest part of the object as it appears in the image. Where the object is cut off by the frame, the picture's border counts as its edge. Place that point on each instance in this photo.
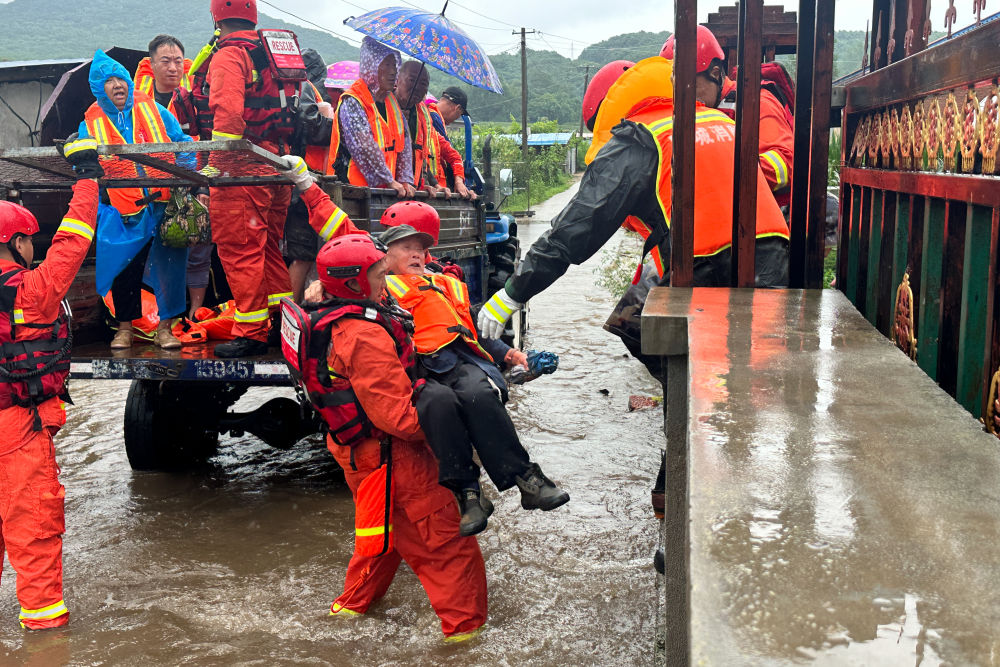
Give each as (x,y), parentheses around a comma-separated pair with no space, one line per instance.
(509,25)
(323,28)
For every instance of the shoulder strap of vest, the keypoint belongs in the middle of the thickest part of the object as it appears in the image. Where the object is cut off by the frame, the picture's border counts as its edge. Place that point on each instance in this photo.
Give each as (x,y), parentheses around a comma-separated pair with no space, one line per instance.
(9,282)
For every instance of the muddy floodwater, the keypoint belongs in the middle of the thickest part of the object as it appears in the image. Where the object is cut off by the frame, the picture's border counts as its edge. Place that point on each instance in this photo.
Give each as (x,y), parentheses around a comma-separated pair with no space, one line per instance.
(237,562)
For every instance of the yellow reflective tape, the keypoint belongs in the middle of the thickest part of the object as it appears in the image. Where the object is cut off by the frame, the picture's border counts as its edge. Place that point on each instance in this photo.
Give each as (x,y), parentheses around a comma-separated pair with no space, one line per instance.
(274,299)
(773,158)
(216,135)
(340,609)
(492,311)
(79,145)
(144,109)
(52,611)
(332,224)
(18,316)
(370,532)
(253,316)
(463,636)
(301,168)
(396,286)
(78,227)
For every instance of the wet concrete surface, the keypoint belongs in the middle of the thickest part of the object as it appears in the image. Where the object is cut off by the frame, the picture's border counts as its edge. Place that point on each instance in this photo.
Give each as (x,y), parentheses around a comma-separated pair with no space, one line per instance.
(237,562)
(844,509)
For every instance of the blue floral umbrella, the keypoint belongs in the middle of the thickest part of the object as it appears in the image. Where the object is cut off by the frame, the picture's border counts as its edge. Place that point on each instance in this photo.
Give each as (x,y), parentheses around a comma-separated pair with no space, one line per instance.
(432,39)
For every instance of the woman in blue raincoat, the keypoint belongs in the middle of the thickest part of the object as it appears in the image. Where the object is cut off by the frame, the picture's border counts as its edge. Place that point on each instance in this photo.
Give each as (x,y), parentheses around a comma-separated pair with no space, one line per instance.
(129,251)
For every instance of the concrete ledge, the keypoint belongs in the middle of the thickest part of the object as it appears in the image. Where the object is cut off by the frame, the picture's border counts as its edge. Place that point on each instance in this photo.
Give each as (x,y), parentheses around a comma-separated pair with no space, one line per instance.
(843,508)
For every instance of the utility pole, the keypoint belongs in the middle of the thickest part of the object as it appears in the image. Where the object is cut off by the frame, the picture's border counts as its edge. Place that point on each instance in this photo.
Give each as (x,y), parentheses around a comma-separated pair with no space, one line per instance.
(524,112)
(586,82)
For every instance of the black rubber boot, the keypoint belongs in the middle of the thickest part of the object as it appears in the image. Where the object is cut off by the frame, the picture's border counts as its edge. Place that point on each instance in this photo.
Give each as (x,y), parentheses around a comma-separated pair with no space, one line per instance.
(274,333)
(658,560)
(475,509)
(539,492)
(240,347)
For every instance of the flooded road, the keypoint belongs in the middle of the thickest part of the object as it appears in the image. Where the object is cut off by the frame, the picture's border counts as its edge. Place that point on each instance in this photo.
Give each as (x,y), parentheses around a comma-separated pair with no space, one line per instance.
(236,563)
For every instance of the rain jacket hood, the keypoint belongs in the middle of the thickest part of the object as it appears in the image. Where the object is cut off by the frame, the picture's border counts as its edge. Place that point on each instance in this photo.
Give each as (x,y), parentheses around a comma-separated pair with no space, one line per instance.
(372,55)
(103,68)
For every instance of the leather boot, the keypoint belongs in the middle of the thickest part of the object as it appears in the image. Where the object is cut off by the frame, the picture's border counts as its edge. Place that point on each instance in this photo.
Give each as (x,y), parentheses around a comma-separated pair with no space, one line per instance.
(475,509)
(240,347)
(539,492)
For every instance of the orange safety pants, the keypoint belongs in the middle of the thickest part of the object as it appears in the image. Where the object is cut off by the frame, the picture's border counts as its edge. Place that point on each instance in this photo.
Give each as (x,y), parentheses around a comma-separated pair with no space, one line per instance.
(425,525)
(247,226)
(32,522)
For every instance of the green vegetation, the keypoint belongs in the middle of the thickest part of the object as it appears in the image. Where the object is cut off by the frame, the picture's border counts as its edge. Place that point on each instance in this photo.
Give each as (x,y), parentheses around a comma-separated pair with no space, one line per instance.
(41,29)
(547,169)
(829,269)
(618,262)
(56,29)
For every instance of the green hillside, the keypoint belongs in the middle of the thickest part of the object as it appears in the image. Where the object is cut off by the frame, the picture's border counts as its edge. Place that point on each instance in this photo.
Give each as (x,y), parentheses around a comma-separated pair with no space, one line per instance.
(59,29)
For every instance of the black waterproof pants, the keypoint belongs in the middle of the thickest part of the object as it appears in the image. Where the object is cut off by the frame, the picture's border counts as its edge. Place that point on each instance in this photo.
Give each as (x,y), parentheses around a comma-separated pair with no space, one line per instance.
(459,410)
(126,289)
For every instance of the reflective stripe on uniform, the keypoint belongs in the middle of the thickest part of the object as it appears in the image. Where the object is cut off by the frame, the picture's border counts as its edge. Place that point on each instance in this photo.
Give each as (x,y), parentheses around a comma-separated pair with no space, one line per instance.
(85,144)
(371,532)
(18,316)
(463,636)
(498,309)
(332,225)
(217,135)
(73,226)
(774,159)
(275,299)
(706,116)
(396,286)
(151,115)
(45,613)
(253,316)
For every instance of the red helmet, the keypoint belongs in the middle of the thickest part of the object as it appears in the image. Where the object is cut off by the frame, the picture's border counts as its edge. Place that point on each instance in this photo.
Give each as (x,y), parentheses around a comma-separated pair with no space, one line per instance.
(15,219)
(234,9)
(345,257)
(708,48)
(422,217)
(599,87)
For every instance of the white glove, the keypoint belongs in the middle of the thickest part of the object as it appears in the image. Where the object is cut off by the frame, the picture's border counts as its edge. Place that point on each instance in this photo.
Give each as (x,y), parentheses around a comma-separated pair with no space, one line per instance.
(494,314)
(298,172)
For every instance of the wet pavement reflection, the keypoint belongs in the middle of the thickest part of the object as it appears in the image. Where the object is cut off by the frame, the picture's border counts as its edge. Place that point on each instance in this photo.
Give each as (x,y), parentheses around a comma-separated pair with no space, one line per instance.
(844,508)
(237,562)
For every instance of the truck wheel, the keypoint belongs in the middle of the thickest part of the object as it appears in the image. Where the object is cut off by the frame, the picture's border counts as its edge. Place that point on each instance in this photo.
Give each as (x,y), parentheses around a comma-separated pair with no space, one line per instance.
(170,425)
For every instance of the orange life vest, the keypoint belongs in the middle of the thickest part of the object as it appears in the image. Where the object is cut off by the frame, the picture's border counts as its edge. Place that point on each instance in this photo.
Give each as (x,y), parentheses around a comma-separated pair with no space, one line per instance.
(144,80)
(425,148)
(440,307)
(147,128)
(389,133)
(715,136)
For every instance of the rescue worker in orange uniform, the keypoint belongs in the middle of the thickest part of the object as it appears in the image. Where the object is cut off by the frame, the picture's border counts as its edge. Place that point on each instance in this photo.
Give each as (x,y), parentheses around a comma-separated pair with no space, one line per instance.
(431,151)
(378,369)
(35,335)
(776,136)
(631,176)
(247,221)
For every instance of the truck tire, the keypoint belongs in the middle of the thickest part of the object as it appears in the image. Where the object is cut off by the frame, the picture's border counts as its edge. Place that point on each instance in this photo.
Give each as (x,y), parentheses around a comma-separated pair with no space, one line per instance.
(170,425)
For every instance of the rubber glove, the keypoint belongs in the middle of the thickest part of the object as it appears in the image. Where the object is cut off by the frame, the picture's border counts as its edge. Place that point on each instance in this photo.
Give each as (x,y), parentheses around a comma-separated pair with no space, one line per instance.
(298,172)
(494,314)
(82,154)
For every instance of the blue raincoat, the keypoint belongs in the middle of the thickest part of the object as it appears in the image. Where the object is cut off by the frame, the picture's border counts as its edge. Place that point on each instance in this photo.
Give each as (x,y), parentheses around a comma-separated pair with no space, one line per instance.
(120,239)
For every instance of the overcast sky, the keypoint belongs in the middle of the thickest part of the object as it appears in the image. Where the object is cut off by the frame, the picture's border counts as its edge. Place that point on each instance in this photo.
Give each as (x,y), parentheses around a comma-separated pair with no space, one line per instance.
(565,25)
